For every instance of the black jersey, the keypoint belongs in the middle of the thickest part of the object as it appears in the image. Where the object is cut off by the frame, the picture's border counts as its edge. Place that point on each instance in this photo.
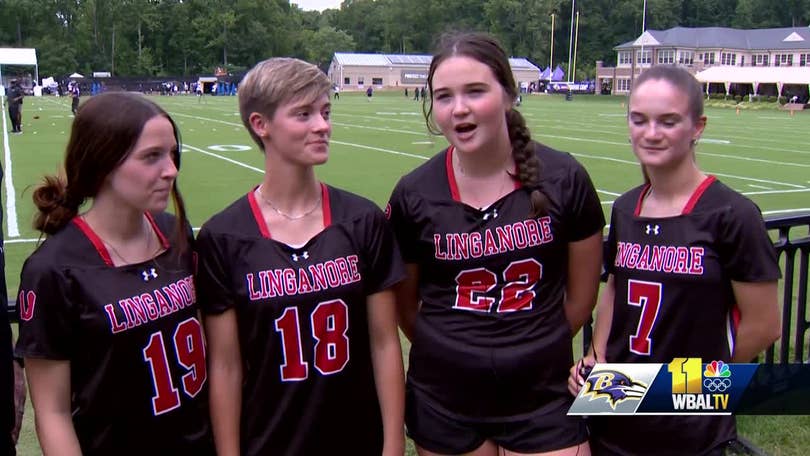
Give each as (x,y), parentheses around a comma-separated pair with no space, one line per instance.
(132,337)
(674,298)
(491,337)
(302,321)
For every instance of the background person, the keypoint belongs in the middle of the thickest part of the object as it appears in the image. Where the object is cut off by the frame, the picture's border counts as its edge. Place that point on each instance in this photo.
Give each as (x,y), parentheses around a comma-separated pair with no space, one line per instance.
(14,97)
(74,95)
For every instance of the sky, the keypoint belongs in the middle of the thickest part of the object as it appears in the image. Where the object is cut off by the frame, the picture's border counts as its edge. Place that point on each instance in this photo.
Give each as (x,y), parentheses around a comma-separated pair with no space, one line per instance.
(320,5)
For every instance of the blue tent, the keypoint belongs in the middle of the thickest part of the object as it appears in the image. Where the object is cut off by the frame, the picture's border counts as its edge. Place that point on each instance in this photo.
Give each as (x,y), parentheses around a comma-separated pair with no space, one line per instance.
(546,73)
(558,74)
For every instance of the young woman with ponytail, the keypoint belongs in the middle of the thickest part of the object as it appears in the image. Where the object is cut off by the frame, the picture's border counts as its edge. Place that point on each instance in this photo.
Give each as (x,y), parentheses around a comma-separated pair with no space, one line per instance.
(109,327)
(502,237)
(717,302)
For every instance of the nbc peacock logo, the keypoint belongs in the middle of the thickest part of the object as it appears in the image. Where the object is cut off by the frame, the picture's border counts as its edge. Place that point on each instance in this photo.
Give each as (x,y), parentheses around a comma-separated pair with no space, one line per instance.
(717,377)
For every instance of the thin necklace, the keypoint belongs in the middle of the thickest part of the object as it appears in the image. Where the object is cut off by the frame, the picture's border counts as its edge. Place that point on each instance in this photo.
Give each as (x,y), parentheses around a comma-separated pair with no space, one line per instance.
(284,214)
(115,251)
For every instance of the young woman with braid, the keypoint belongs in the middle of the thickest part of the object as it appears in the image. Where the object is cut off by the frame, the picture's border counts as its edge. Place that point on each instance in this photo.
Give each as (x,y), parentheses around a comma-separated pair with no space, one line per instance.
(502,241)
(109,327)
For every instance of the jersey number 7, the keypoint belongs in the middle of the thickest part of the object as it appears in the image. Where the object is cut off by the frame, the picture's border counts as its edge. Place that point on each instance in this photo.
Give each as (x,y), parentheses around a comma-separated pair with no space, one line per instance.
(646,295)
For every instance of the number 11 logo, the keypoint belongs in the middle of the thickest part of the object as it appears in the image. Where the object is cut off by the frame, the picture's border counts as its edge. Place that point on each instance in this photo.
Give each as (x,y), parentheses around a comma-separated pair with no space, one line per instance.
(687,376)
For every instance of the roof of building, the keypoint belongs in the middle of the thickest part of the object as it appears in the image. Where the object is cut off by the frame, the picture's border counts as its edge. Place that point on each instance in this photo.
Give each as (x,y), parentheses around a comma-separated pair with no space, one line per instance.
(346,58)
(785,38)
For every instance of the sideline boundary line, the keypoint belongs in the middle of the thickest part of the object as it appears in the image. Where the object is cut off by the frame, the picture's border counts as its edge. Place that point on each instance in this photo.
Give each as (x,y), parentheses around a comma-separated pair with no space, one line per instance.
(11,195)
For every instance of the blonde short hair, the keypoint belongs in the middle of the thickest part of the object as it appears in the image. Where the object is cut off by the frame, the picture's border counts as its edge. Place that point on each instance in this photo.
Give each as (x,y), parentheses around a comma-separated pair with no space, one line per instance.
(276,81)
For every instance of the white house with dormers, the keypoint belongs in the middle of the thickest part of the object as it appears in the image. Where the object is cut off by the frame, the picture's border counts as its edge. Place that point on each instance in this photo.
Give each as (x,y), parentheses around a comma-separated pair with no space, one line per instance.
(772,61)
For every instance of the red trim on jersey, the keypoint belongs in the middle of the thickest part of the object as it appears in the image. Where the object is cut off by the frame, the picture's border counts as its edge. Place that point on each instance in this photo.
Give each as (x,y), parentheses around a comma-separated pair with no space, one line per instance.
(735,317)
(94,239)
(451,175)
(326,206)
(641,197)
(698,193)
(164,242)
(257,214)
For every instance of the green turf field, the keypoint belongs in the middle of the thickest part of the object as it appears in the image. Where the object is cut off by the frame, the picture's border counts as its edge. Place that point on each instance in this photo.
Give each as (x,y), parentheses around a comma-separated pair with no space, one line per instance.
(761,153)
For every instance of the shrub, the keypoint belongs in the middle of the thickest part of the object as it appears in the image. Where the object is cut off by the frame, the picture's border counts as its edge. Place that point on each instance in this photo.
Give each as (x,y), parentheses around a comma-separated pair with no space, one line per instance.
(738,98)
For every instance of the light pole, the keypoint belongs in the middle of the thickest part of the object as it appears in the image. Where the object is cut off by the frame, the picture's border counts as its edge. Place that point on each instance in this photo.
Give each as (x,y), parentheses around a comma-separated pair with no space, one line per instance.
(571,39)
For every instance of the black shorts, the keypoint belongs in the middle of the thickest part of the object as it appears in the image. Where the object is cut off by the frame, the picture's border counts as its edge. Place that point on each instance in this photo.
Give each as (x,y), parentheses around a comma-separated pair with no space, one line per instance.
(437,430)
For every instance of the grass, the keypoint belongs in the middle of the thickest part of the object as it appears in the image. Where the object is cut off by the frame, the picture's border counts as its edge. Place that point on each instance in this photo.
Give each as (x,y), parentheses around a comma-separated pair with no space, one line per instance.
(761,153)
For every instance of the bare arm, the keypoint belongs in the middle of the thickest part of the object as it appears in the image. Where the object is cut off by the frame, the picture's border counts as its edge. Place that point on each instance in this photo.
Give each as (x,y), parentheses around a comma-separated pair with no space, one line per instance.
(49,382)
(19,400)
(389,375)
(225,376)
(759,323)
(601,330)
(584,267)
(407,300)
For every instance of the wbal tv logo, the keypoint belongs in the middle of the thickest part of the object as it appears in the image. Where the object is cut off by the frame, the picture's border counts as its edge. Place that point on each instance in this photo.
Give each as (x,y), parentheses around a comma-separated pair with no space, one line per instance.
(694,388)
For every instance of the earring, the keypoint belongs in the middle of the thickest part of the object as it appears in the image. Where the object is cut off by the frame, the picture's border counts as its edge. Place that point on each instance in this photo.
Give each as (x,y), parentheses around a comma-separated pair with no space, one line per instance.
(693,142)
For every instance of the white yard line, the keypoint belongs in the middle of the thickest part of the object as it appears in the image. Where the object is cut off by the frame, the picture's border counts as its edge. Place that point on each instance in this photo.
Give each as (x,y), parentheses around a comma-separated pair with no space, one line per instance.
(229,160)
(13,229)
(799,188)
(775,192)
(764,181)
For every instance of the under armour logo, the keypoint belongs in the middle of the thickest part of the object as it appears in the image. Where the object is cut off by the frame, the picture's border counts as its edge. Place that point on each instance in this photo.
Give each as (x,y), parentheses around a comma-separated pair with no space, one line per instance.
(304,255)
(654,229)
(149,274)
(493,214)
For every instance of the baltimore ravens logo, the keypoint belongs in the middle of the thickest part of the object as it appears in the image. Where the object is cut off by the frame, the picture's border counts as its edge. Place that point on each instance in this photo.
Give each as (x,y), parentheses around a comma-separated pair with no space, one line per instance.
(614,386)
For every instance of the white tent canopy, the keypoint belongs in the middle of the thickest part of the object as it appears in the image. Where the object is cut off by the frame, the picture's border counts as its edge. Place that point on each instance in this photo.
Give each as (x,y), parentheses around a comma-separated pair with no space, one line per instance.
(755,76)
(75,76)
(19,56)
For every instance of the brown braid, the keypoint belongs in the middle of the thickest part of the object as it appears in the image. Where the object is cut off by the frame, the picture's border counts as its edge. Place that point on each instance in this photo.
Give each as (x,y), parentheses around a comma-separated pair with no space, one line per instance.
(528,165)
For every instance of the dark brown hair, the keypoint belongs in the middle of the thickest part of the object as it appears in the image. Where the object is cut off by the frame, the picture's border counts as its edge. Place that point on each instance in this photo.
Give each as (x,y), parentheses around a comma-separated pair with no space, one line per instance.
(486,49)
(682,80)
(104,131)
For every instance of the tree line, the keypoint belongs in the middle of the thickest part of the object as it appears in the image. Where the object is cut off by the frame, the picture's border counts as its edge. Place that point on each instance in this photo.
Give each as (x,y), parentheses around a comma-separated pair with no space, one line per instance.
(188,37)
